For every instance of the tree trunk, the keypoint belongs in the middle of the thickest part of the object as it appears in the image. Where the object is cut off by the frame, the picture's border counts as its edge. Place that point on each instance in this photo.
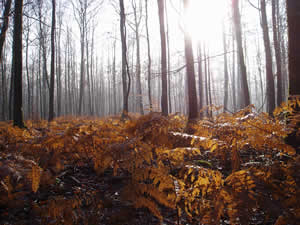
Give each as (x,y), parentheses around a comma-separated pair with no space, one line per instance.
(277,53)
(268,55)
(225,102)
(125,72)
(137,22)
(4,26)
(164,82)
(17,64)
(52,72)
(293,12)
(149,58)
(200,81)
(191,81)
(238,36)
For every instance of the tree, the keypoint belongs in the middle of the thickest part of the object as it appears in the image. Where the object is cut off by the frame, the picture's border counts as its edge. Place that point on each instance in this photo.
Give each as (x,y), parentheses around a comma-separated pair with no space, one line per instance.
(51,92)
(200,80)
(17,64)
(190,72)
(137,22)
(293,13)
(268,55)
(277,48)
(149,56)
(125,71)
(226,76)
(4,26)
(238,36)
(164,88)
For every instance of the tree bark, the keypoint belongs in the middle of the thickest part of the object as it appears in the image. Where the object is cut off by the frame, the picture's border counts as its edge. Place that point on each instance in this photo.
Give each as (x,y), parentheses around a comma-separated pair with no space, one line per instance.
(277,53)
(225,102)
(125,72)
(268,56)
(200,81)
(164,88)
(52,70)
(293,12)
(149,58)
(190,72)
(238,35)
(17,64)
(4,26)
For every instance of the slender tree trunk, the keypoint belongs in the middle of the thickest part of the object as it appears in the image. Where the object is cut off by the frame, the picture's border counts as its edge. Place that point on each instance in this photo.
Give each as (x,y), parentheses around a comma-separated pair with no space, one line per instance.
(200,81)
(17,64)
(125,72)
(137,22)
(27,72)
(149,58)
(277,54)
(4,85)
(268,55)
(168,60)
(238,35)
(4,26)
(114,79)
(164,89)
(52,82)
(225,102)
(233,76)
(59,74)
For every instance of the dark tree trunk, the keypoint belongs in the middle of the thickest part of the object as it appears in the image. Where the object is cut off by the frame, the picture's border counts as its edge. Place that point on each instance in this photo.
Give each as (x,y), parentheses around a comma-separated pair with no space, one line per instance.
(4,26)
(190,72)
(52,70)
(125,72)
(293,12)
(268,55)
(164,81)
(17,64)
(238,35)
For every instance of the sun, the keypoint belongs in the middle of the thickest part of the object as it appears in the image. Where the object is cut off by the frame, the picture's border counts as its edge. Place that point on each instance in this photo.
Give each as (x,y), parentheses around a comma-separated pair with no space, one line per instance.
(204,19)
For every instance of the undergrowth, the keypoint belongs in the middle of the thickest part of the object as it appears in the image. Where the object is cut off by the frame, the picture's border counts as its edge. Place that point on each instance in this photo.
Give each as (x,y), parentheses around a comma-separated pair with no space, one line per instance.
(234,169)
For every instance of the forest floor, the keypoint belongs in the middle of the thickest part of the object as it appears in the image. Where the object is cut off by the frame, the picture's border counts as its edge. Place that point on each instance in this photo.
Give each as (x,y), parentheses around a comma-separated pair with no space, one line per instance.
(232,169)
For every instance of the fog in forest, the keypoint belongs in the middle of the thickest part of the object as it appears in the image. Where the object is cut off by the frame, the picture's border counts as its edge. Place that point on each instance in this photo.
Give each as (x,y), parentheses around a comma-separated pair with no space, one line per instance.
(236,46)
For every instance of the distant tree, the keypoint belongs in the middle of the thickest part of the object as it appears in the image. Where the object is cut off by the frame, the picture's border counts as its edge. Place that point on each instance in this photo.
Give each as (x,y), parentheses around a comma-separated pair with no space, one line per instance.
(277,47)
(268,56)
(238,36)
(164,89)
(190,72)
(4,25)
(226,76)
(17,64)
(52,71)
(137,12)
(149,56)
(200,80)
